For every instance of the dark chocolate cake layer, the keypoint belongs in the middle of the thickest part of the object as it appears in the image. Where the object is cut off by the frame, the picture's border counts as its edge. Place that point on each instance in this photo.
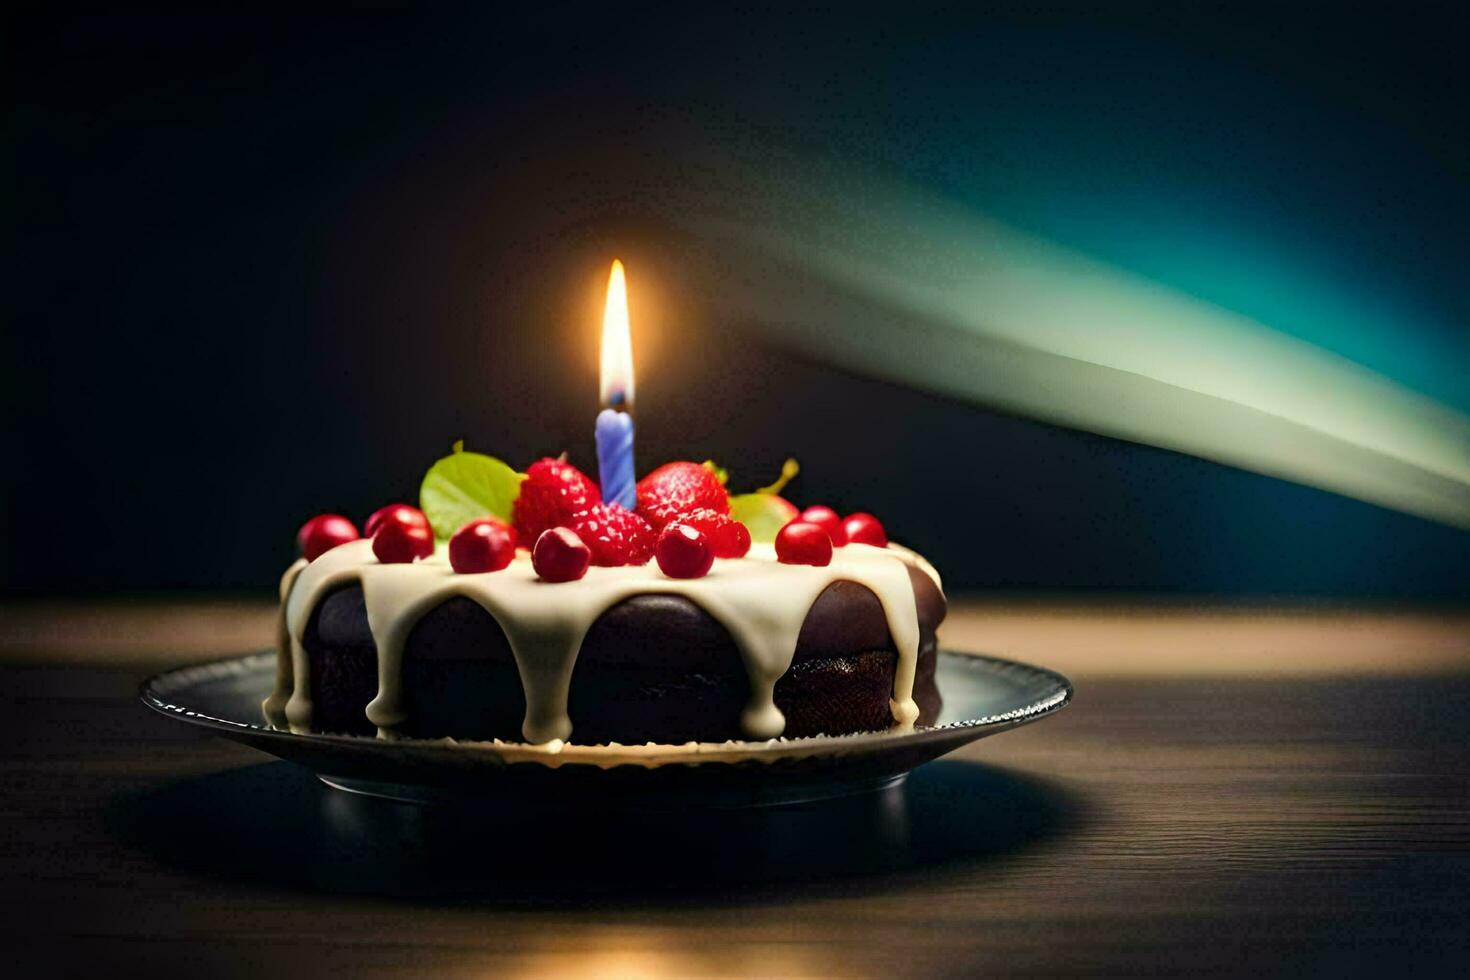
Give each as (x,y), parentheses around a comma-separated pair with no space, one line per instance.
(653,668)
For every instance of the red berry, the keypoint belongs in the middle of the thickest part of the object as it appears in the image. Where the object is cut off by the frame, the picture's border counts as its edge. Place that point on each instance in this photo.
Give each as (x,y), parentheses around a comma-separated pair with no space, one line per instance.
(560,556)
(403,516)
(323,533)
(616,535)
(728,538)
(803,543)
(684,551)
(676,489)
(551,493)
(401,512)
(400,541)
(864,528)
(732,541)
(486,545)
(826,518)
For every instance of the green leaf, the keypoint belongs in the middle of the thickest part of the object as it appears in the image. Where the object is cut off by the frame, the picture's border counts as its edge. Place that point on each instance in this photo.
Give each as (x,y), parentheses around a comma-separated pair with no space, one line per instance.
(763,514)
(721,474)
(464,486)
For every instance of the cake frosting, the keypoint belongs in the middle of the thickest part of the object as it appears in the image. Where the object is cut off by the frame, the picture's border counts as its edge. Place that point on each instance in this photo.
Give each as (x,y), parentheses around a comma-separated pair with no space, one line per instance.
(759,601)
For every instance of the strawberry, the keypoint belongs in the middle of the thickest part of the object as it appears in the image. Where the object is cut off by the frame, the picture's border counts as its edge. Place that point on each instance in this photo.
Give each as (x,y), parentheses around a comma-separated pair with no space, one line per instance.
(551,493)
(676,489)
(728,538)
(616,535)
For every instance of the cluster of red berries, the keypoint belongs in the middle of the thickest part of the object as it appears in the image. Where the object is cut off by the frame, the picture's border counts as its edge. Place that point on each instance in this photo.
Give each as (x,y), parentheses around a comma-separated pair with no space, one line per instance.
(400,533)
(810,537)
(682,521)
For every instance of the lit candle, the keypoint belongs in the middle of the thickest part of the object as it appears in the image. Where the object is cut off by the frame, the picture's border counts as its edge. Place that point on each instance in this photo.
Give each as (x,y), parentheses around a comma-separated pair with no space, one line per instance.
(615,421)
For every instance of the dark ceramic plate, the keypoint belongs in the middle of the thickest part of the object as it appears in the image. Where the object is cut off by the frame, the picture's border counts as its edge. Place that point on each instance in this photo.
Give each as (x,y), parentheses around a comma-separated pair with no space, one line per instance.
(982,696)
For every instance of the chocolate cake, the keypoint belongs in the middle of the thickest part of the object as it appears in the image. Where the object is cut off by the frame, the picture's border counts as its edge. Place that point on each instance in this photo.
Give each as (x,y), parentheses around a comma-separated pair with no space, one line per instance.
(754,649)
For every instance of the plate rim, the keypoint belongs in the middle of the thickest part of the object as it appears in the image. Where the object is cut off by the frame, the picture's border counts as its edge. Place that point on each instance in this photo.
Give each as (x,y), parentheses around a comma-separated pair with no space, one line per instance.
(154,691)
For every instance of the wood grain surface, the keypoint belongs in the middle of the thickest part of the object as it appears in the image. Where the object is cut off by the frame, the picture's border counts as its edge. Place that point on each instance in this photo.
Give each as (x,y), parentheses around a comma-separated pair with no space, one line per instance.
(1173,820)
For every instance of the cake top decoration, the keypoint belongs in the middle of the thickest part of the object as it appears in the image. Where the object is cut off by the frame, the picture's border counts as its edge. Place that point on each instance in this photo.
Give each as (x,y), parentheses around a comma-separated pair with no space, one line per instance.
(485,509)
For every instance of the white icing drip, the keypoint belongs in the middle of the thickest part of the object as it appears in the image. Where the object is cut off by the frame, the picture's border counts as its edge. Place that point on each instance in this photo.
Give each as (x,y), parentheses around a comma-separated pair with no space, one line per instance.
(341,566)
(760,602)
(918,561)
(274,705)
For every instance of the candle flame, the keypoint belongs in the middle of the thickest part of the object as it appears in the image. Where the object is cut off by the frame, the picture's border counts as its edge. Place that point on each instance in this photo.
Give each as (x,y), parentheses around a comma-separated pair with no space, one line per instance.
(617,345)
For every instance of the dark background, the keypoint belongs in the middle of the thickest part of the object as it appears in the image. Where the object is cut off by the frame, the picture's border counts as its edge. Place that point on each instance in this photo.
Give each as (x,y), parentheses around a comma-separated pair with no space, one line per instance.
(262,265)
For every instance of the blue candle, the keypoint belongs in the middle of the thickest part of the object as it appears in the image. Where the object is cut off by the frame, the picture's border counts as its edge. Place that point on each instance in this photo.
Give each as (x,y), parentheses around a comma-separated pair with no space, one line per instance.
(615,458)
(614,422)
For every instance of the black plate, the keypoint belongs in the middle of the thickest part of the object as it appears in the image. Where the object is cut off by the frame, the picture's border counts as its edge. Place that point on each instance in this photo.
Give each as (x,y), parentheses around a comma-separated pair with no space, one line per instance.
(982,696)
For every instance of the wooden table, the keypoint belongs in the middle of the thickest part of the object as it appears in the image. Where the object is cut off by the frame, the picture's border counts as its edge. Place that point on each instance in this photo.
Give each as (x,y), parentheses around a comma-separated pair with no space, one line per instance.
(1234,790)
